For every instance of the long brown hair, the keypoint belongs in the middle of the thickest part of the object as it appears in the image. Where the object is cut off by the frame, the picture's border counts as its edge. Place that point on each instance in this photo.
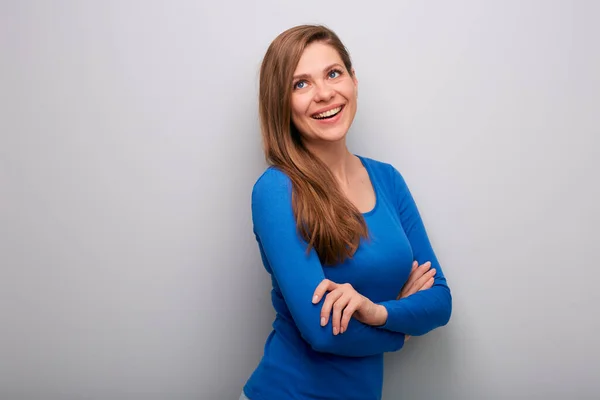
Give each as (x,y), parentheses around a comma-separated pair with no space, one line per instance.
(325,218)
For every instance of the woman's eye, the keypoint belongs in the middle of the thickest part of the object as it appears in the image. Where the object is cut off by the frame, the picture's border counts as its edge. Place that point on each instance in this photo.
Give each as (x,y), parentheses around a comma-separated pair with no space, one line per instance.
(300,85)
(334,74)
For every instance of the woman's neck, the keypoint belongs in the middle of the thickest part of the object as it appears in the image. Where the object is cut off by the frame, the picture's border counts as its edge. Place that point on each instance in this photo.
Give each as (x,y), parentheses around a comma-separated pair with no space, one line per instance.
(338,159)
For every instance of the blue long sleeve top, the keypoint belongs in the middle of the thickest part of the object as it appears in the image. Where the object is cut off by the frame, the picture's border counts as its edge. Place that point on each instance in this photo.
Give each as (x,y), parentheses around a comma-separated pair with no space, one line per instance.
(303,360)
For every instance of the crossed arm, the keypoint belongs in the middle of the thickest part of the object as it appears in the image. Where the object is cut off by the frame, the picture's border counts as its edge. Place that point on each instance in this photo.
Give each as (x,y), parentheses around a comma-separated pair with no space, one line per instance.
(425,302)
(375,328)
(343,302)
(298,274)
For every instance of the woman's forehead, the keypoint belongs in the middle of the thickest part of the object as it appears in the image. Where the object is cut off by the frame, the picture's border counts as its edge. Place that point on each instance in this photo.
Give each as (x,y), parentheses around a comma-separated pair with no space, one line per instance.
(316,58)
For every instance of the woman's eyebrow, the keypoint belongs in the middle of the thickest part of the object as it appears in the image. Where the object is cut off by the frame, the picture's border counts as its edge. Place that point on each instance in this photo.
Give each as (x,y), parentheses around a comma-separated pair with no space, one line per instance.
(303,76)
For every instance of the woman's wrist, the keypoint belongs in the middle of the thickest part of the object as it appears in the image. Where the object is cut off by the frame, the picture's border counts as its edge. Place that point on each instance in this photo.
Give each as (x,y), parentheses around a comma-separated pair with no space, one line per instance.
(375,315)
(381,315)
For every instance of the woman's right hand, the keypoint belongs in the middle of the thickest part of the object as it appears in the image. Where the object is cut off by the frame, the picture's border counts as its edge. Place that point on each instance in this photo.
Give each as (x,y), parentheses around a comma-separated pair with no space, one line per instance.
(420,278)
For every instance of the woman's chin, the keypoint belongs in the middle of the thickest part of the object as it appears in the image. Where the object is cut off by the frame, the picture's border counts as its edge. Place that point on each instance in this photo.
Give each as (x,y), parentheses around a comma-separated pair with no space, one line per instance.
(329,138)
(333,134)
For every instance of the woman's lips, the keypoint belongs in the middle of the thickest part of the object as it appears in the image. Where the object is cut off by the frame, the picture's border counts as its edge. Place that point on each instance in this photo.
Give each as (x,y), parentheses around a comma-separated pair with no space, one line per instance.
(330,116)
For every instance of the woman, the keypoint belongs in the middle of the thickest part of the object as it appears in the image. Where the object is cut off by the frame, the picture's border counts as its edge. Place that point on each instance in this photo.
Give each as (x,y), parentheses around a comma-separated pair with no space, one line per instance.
(351,265)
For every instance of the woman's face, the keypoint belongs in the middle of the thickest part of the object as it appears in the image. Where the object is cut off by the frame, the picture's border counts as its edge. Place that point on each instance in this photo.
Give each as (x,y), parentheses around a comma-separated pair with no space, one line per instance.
(323,95)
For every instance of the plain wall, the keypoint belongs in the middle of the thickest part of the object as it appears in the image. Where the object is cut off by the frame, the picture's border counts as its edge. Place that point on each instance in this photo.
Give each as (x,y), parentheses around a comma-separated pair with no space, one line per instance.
(129,144)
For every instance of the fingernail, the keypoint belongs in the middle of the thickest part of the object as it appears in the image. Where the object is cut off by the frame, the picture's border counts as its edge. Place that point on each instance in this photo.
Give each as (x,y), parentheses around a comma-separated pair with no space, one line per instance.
(433,270)
(335,331)
(342,330)
(322,321)
(315,298)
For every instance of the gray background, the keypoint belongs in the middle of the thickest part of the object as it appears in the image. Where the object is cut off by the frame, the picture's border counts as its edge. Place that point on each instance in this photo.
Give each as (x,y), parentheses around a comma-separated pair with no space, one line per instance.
(129,145)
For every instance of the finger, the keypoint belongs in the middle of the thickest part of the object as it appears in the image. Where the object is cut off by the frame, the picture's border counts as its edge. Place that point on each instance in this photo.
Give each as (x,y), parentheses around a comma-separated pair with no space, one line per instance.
(414,267)
(425,267)
(406,337)
(428,284)
(411,276)
(348,313)
(410,287)
(338,308)
(418,272)
(323,287)
(330,300)
(420,283)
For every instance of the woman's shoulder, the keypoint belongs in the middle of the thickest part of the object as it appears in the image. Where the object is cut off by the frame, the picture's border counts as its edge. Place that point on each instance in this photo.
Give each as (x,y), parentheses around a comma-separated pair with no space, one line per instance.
(271,178)
(272,181)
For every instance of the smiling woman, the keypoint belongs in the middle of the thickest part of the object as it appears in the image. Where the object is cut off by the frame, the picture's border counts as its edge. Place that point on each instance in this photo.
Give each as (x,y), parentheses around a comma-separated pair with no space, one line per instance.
(324,95)
(352,268)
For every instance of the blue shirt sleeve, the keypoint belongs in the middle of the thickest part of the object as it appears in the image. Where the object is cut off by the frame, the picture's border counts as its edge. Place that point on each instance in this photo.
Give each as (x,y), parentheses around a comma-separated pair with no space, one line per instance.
(428,309)
(298,273)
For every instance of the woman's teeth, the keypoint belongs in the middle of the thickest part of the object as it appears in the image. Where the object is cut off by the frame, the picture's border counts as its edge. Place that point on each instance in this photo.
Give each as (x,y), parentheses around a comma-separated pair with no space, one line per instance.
(328,114)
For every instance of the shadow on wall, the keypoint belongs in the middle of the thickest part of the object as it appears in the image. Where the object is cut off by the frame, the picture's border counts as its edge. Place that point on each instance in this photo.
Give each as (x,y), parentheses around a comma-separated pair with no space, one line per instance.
(423,368)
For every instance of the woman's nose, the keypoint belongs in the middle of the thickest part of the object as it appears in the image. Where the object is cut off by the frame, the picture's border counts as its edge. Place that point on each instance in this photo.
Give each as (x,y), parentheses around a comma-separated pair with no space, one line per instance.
(324,92)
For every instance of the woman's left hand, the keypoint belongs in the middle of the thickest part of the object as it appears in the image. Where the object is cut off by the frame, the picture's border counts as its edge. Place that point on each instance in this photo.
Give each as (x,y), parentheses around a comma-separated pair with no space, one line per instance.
(345,302)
